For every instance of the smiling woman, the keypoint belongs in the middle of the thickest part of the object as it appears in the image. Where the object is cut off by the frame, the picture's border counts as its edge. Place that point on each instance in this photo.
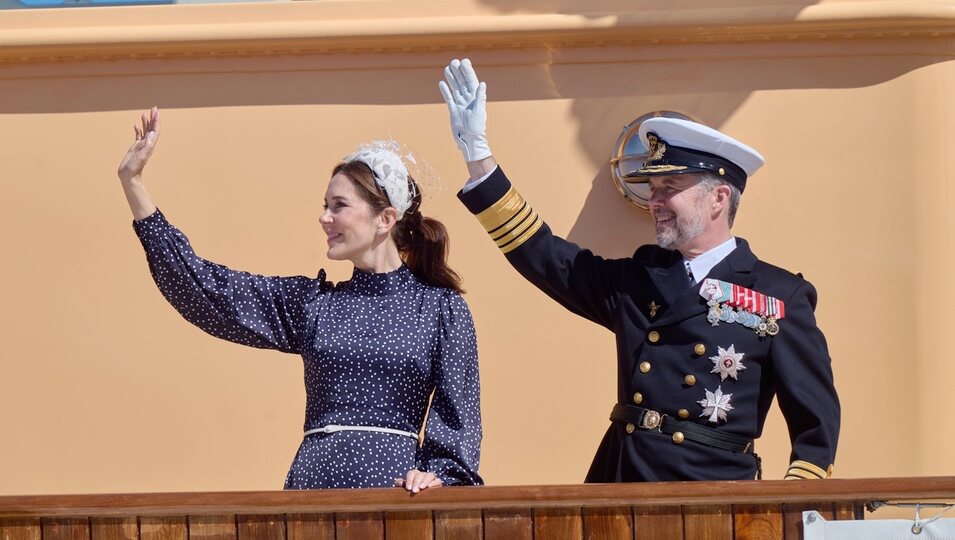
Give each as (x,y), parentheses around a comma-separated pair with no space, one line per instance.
(375,347)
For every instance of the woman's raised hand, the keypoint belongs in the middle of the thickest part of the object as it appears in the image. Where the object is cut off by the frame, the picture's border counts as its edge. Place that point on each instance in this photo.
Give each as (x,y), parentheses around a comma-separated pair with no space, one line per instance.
(131,168)
(138,154)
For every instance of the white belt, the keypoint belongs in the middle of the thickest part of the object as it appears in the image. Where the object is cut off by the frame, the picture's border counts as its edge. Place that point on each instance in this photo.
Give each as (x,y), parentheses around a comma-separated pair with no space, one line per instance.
(332,428)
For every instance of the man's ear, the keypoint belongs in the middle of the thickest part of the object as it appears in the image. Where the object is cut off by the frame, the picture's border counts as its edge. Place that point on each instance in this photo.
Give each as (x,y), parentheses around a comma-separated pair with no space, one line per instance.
(721,198)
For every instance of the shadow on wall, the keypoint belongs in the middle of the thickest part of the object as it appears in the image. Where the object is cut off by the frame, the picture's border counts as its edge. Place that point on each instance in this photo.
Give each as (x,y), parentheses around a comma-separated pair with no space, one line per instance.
(706,81)
(606,98)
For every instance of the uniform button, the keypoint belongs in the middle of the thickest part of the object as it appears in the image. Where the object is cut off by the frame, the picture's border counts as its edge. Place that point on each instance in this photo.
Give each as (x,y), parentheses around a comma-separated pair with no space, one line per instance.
(683,413)
(631,428)
(678,437)
(653,336)
(690,380)
(644,367)
(699,349)
(638,398)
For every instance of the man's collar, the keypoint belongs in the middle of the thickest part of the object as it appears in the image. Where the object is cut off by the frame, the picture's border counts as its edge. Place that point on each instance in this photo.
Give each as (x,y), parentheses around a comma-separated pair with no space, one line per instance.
(702,264)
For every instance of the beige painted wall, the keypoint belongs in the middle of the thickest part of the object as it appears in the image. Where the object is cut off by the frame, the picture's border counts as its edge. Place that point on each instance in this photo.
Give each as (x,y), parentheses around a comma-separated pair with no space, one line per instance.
(104,388)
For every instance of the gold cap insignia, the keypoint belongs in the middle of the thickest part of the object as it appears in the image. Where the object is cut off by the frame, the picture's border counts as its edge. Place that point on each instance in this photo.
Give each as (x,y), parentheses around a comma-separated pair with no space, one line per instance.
(656,150)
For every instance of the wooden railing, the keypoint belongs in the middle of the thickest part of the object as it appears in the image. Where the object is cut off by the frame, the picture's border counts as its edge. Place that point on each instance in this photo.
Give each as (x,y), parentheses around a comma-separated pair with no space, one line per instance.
(673,510)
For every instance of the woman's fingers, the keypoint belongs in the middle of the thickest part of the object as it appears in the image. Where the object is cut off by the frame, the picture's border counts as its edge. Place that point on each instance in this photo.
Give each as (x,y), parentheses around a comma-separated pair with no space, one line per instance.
(417,480)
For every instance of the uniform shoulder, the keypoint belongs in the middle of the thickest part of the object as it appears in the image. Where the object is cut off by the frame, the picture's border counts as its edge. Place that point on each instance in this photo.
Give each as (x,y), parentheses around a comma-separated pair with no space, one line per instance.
(775,272)
(649,253)
(782,283)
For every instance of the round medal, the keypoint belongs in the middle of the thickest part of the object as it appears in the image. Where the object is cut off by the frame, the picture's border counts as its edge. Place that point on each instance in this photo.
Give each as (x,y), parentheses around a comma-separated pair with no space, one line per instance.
(772,327)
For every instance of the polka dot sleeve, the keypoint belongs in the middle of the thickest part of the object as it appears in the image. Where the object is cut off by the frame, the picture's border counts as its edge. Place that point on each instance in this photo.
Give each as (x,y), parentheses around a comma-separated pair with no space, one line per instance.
(259,311)
(452,445)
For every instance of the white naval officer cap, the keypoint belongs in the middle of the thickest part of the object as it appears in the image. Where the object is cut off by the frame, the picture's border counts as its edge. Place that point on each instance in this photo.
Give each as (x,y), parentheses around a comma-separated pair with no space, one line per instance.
(676,146)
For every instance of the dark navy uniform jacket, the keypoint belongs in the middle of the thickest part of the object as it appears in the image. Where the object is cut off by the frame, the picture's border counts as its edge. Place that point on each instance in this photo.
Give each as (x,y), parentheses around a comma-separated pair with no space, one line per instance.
(666,348)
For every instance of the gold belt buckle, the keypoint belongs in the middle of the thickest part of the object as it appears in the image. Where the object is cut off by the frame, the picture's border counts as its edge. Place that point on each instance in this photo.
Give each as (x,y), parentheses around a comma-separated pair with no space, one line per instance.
(651,420)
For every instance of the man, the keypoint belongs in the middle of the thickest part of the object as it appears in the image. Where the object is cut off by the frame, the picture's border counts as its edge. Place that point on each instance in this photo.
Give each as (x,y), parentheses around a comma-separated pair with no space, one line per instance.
(706,333)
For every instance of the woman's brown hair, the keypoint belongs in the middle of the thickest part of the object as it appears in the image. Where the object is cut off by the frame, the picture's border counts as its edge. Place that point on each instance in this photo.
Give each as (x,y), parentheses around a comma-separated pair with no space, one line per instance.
(421,241)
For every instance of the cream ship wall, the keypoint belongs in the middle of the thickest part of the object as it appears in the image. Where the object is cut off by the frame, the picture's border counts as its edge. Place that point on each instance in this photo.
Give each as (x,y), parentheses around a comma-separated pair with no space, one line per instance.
(104,388)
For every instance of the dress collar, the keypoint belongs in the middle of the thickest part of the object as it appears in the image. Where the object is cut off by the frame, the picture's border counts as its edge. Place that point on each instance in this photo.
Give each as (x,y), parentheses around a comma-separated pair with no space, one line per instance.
(372,283)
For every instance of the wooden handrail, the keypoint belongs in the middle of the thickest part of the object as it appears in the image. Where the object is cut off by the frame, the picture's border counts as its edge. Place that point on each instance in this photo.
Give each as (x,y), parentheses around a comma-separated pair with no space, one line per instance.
(469,498)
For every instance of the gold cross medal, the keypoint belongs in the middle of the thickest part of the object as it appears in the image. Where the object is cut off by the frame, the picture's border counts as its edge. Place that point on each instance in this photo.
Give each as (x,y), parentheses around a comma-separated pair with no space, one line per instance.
(653,309)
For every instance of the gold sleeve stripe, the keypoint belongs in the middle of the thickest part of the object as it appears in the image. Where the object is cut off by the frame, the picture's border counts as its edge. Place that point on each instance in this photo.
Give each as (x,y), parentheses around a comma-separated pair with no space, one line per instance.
(500,212)
(804,469)
(510,221)
(528,232)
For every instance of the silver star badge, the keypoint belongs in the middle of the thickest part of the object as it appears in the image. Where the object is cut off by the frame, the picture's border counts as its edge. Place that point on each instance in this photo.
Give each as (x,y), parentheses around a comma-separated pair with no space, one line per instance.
(727,362)
(716,405)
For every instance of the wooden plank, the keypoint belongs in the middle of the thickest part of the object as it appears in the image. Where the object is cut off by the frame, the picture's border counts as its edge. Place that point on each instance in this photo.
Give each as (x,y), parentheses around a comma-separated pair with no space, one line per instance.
(66,529)
(163,528)
(409,525)
(658,522)
(792,517)
(217,527)
(458,525)
(360,526)
(759,522)
(708,522)
(114,528)
(261,527)
(558,524)
(20,529)
(610,523)
(516,524)
(310,526)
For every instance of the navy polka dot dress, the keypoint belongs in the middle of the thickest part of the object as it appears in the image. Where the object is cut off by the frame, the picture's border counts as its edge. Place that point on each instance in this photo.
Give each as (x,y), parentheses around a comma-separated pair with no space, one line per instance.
(375,348)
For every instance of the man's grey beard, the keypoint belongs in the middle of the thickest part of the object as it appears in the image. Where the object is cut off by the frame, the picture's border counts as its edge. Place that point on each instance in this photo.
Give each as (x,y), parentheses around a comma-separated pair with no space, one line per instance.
(687,228)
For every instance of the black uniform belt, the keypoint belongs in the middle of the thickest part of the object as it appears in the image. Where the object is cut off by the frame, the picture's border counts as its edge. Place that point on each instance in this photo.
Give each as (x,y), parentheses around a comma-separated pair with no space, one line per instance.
(652,420)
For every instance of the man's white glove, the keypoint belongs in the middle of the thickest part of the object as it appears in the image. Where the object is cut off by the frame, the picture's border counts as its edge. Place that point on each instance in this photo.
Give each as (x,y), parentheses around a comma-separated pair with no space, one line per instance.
(466,97)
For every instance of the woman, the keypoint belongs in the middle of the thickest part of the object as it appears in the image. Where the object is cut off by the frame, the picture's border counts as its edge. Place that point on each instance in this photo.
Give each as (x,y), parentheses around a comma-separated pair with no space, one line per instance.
(375,347)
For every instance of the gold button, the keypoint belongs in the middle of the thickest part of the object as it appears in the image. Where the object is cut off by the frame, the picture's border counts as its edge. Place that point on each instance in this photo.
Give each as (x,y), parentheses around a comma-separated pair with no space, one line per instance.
(631,428)
(683,413)
(644,367)
(653,336)
(722,171)
(690,380)
(678,437)
(638,398)
(699,349)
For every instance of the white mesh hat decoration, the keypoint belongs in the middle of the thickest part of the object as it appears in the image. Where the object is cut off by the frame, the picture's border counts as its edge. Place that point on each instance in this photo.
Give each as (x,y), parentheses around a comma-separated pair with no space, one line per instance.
(387,161)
